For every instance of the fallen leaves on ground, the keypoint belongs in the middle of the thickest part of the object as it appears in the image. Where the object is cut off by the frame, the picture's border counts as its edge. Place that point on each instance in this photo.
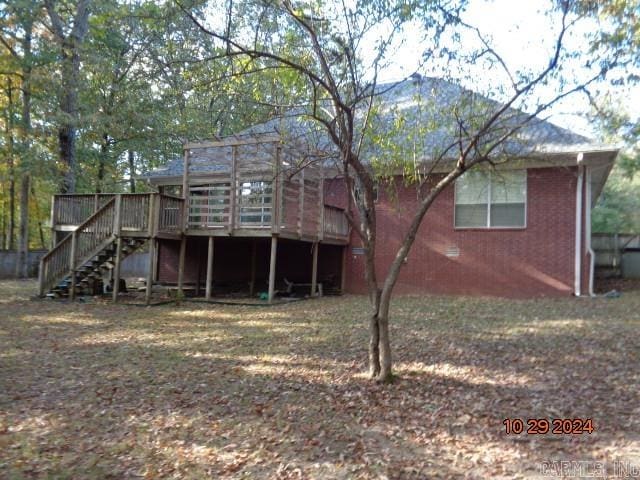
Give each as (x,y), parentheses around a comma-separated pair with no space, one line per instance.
(196,391)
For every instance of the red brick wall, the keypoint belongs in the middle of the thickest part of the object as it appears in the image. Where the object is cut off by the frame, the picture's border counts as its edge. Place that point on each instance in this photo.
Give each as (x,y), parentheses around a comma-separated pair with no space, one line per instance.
(535,261)
(195,260)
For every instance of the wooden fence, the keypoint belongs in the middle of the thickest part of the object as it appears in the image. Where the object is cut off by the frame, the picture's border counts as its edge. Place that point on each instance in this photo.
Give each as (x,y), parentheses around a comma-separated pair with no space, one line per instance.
(617,255)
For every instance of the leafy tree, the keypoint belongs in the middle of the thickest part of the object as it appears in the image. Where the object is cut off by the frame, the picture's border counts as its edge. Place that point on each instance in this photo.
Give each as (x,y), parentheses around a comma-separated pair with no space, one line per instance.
(618,207)
(619,38)
(327,47)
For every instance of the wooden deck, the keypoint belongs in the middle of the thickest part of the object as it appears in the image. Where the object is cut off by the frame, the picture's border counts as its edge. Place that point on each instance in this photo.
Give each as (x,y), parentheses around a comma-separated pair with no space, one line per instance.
(260,187)
(210,214)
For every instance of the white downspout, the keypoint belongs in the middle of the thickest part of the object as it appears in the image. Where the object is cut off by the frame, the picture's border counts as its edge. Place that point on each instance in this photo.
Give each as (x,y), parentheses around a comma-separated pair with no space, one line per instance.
(587,229)
(578,246)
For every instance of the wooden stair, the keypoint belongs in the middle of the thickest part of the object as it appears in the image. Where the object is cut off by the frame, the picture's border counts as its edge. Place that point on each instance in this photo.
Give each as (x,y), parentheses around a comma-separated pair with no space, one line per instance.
(94,268)
(117,225)
(96,246)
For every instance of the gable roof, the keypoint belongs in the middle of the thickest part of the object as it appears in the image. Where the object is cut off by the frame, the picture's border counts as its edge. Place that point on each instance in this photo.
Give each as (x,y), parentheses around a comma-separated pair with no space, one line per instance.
(426,101)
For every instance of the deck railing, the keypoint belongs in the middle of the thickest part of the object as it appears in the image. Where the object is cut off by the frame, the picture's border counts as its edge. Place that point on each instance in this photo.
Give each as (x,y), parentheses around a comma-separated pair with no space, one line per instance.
(335,222)
(73,209)
(170,215)
(135,211)
(55,265)
(252,204)
(97,229)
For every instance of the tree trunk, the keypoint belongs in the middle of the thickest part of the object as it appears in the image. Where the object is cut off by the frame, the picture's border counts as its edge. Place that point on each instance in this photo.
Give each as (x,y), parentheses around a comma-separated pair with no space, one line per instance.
(102,163)
(12,203)
(384,344)
(11,166)
(69,107)
(43,244)
(374,341)
(22,263)
(132,170)
(380,359)
(70,48)
(3,220)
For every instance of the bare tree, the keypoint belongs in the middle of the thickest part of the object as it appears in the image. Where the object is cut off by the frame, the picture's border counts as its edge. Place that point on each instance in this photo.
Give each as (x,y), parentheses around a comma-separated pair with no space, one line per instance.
(328,48)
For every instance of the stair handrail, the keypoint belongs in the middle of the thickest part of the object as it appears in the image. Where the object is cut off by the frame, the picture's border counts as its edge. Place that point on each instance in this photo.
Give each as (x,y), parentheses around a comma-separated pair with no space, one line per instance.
(100,232)
(49,276)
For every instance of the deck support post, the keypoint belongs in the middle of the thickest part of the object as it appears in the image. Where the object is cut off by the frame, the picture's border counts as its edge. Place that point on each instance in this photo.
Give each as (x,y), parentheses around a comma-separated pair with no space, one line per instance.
(209,269)
(72,266)
(117,227)
(185,190)
(233,191)
(116,269)
(152,227)
(150,272)
(343,273)
(314,269)
(183,252)
(252,281)
(272,267)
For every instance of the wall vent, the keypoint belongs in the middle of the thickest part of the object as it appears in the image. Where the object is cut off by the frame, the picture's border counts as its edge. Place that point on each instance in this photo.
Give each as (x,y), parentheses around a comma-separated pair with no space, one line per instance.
(452,251)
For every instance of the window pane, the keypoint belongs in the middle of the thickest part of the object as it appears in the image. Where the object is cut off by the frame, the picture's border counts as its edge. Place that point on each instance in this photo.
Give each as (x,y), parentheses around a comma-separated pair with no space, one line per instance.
(472,188)
(508,186)
(255,199)
(471,215)
(507,214)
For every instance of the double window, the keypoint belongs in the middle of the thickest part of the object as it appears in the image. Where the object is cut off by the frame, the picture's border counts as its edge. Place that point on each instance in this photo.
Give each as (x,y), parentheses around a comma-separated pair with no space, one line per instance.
(254,200)
(209,205)
(491,199)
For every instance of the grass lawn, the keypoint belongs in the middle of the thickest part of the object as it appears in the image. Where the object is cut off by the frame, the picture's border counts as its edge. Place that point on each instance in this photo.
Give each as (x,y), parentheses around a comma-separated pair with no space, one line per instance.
(199,391)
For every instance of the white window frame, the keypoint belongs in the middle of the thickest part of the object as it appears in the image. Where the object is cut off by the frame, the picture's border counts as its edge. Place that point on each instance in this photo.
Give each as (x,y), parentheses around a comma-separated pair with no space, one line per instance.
(205,220)
(262,209)
(488,225)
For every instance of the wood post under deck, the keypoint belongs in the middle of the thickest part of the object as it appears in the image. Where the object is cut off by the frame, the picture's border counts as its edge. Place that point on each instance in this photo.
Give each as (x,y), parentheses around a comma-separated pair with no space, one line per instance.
(314,269)
(117,231)
(152,227)
(209,270)
(72,268)
(272,267)
(343,273)
(116,269)
(150,272)
(183,252)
